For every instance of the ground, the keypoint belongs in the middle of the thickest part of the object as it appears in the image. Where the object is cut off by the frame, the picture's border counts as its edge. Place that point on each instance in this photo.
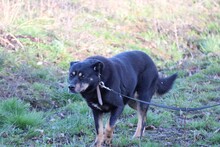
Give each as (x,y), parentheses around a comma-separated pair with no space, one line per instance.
(38,39)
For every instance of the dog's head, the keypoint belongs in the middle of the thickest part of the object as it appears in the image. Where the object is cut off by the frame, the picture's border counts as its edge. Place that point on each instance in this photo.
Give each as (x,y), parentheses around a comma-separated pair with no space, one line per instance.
(84,76)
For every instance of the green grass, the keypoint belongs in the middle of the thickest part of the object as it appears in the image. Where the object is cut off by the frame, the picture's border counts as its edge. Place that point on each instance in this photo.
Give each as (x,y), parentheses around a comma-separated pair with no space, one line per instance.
(15,112)
(35,106)
(17,121)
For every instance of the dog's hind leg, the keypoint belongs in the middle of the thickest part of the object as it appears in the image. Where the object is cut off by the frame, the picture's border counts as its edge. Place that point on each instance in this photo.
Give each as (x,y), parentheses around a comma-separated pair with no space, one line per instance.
(141,112)
(142,108)
(133,103)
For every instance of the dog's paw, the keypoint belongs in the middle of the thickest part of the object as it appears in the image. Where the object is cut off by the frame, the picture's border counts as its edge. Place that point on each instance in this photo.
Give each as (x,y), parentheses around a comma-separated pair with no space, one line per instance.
(108,140)
(98,141)
(107,143)
(97,144)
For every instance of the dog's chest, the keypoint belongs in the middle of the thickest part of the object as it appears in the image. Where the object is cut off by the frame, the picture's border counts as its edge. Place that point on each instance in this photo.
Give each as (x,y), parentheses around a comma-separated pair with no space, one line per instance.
(97,106)
(93,103)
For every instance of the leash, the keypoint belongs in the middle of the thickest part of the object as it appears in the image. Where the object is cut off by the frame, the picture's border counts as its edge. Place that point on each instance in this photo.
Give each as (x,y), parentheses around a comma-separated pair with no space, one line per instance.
(102,85)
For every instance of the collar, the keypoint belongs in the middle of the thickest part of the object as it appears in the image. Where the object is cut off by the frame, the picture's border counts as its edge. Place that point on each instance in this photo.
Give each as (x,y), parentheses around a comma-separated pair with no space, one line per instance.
(98,91)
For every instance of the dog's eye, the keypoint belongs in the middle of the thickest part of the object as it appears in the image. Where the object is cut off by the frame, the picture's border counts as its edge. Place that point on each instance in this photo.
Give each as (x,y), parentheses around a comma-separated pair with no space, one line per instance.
(81,75)
(73,74)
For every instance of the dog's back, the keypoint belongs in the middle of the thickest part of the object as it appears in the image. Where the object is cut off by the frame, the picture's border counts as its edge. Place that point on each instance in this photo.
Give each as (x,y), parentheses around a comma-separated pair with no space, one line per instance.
(140,67)
(136,60)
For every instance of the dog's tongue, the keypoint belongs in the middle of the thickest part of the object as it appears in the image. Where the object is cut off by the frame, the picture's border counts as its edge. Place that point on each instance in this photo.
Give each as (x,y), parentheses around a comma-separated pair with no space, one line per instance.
(99,95)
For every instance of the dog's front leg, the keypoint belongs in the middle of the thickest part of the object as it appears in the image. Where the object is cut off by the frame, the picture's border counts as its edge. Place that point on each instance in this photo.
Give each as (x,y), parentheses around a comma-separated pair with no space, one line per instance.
(109,128)
(99,128)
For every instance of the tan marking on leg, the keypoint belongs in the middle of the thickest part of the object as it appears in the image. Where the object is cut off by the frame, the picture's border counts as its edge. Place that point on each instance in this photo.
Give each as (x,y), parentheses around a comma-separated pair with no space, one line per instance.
(136,95)
(141,122)
(100,136)
(108,134)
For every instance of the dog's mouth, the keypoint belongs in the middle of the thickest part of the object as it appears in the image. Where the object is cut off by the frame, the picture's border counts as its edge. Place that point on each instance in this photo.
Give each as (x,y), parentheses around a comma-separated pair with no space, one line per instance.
(79,87)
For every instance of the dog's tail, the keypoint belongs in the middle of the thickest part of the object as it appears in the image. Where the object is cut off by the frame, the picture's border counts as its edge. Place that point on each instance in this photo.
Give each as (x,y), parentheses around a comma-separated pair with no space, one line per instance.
(165,84)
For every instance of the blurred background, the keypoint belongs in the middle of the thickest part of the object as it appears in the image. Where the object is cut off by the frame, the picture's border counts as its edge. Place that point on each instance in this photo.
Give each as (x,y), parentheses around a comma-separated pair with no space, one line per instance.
(38,39)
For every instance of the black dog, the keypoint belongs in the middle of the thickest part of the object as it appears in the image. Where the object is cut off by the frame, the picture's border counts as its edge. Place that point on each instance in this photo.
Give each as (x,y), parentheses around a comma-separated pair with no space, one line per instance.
(132,73)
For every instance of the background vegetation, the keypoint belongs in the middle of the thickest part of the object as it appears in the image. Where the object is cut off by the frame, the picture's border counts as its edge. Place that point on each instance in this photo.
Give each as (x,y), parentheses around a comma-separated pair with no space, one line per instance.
(39,38)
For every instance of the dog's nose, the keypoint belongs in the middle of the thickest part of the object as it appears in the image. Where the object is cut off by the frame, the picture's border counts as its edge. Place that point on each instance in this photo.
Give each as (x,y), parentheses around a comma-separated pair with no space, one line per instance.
(71,87)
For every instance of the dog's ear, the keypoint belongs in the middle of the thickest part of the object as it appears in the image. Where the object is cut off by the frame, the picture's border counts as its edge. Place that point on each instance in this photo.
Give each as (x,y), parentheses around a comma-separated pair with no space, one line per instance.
(72,63)
(98,66)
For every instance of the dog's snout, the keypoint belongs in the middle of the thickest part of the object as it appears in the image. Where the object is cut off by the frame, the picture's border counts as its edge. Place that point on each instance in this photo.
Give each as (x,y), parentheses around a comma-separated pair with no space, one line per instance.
(71,87)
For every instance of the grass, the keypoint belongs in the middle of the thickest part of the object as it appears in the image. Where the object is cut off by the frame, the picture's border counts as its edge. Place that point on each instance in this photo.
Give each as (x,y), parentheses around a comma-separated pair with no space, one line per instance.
(16,119)
(16,112)
(44,36)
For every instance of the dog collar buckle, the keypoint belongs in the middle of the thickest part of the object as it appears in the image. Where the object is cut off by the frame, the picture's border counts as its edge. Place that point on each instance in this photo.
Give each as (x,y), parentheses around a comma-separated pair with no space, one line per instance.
(102,85)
